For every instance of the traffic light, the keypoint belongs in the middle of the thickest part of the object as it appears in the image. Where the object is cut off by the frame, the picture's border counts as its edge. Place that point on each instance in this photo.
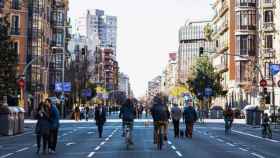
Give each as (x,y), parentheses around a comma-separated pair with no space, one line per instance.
(266,96)
(201,49)
(83,51)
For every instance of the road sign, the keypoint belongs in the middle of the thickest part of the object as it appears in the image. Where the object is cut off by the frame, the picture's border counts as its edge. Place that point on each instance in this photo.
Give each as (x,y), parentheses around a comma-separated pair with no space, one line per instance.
(208,92)
(67,87)
(263,83)
(274,68)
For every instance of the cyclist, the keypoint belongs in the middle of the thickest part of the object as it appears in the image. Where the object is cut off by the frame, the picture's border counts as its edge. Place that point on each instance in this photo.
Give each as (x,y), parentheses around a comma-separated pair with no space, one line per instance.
(228,117)
(266,127)
(160,114)
(127,114)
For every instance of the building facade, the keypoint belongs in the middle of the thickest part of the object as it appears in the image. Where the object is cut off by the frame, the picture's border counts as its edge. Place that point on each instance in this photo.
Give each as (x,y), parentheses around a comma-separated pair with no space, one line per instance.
(224,37)
(124,83)
(191,38)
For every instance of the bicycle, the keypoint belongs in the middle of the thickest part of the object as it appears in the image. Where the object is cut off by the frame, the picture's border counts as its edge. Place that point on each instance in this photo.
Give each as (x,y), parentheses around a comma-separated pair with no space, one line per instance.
(159,125)
(128,134)
(266,131)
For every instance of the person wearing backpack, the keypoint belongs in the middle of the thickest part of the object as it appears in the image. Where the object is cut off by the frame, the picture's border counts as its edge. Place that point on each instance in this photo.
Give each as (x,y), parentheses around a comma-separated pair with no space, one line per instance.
(190,117)
(127,114)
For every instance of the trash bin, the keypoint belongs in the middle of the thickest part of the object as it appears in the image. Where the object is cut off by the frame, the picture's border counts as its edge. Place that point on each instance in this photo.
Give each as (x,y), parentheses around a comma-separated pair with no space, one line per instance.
(15,112)
(253,116)
(7,121)
(20,120)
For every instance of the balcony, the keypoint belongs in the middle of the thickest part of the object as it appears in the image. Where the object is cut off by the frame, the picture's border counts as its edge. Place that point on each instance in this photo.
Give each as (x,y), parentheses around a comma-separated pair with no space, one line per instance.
(224,8)
(268,52)
(223,28)
(268,3)
(268,26)
(15,31)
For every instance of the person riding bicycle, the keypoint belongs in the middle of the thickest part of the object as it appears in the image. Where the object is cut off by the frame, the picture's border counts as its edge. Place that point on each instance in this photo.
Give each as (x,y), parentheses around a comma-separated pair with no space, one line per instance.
(265,124)
(160,114)
(228,117)
(127,114)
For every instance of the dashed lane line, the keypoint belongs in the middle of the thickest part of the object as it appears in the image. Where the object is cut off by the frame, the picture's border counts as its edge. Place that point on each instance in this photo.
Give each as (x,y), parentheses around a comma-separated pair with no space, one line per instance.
(102,143)
(244,149)
(70,143)
(23,149)
(251,135)
(173,147)
(91,154)
(257,155)
(169,142)
(7,155)
(230,144)
(179,154)
(220,140)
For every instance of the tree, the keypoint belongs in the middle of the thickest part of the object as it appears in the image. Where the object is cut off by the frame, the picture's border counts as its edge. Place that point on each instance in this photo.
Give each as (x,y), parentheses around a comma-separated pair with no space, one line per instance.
(8,61)
(202,76)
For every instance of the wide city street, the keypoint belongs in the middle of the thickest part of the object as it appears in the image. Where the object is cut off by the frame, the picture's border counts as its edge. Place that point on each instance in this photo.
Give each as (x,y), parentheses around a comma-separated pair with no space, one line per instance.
(80,140)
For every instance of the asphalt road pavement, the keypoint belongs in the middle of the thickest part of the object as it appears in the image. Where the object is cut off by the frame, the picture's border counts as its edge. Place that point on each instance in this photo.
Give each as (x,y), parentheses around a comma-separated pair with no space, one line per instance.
(80,140)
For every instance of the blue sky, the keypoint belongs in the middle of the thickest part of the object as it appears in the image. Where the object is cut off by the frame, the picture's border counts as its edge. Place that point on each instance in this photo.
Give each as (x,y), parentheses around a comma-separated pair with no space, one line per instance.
(147,31)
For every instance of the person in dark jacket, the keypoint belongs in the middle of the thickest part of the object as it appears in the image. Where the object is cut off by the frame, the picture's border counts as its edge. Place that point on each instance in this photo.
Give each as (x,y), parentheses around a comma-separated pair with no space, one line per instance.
(127,114)
(190,117)
(160,113)
(42,127)
(100,118)
(54,125)
(176,115)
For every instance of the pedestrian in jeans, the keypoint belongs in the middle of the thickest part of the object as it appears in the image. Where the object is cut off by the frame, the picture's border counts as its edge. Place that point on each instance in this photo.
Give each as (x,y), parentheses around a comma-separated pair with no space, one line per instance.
(100,118)
(190,118)
(176,115)
(54,125)
(42,127)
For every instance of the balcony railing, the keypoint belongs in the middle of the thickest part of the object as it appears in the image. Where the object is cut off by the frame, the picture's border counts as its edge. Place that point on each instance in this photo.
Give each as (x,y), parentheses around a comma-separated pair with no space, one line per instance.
(15,31)
(268,3)
(268,26)
(268,52)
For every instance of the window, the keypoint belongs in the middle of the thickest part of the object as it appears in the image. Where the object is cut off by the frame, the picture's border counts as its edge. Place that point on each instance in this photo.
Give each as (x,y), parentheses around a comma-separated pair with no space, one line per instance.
(250,3)
(15,25)
(268,41)
(266,70)
(15,4)
(268,16)
(246,19)
(246,45)
(15,47)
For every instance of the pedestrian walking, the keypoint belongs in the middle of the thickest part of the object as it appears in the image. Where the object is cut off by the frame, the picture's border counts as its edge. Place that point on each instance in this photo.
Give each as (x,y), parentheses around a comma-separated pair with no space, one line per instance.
(190,118)
(77,113)
(87,113)
(42,129)
(54,125)
(100,118)
(176,115)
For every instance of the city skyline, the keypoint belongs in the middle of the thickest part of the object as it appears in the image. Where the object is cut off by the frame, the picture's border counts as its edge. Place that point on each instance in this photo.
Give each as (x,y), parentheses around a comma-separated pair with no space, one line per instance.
(142,65)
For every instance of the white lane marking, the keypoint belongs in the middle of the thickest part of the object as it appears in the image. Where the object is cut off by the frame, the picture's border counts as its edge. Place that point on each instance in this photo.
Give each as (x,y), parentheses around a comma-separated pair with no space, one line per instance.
(107,139)
(173,147)
(90,132)
(71,143)
(220,140)
(102,143)
(23,149)
(257,155)
(230,144)
(212,137)
(7,155)
(110,136)
(169,142)
(91,154)
(251,135)
(97,148)
(179,154)
(243,149)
